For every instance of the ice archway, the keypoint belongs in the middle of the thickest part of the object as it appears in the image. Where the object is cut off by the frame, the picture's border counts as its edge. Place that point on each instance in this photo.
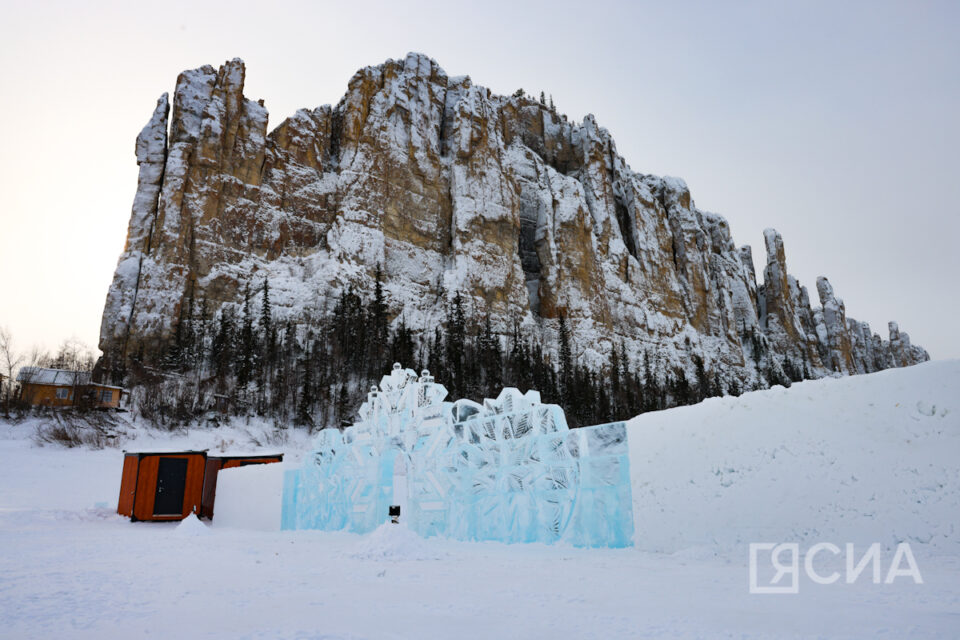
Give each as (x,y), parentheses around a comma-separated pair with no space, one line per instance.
(507,469)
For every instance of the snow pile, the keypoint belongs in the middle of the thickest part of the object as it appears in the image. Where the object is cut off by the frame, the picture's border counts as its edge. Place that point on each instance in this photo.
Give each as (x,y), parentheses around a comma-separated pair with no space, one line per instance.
(191,527)
(249,497)
(395,542)
(862,459)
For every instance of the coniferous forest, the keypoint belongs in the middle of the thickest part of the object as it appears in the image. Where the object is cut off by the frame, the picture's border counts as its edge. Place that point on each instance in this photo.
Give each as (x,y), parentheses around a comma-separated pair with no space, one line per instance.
(246,361)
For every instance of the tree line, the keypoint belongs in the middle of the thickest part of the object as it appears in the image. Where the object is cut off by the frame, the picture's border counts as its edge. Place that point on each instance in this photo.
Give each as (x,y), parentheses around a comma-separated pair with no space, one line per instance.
(244,360)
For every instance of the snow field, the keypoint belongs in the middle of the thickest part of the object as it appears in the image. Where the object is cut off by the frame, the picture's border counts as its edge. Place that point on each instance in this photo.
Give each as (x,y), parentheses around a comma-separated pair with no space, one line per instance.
(865,459)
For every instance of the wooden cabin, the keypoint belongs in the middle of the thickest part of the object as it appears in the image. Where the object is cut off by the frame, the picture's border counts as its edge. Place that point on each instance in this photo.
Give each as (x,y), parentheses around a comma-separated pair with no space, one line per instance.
(213,467)
(41,386)
(105,396)
(161,486)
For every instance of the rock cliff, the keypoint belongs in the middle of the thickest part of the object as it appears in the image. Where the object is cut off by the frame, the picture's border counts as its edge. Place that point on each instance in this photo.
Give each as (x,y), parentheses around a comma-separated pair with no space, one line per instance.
(452,188)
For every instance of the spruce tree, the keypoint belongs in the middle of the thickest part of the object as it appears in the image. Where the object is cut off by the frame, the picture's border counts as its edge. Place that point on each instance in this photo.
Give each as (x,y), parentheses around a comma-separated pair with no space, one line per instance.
(379,338)
(306,401)
(245,347)
(566,362)
(266,311)
(455,345)
(221,348)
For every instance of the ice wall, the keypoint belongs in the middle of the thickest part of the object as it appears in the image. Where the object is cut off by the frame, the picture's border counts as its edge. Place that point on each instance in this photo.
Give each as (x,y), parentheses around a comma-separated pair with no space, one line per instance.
(508,470)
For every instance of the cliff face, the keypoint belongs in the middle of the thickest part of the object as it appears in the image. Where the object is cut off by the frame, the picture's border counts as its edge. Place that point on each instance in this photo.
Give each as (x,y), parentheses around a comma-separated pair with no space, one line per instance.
(452,188)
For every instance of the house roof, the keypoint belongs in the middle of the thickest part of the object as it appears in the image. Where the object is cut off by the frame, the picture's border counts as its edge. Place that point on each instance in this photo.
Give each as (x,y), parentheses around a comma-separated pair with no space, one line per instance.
(239,455)
(56,377)
(105,386)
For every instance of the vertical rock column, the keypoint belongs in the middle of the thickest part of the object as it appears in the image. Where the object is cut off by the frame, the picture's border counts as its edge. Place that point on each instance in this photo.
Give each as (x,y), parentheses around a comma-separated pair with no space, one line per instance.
(151,151)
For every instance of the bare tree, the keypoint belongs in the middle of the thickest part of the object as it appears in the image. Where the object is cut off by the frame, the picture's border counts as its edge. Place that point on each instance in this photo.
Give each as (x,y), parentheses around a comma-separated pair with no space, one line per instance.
(37,357)
(10,360)
(73,355)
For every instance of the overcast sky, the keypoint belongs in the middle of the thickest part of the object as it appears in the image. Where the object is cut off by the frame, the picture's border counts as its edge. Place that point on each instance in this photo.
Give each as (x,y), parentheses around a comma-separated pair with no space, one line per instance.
(836,123)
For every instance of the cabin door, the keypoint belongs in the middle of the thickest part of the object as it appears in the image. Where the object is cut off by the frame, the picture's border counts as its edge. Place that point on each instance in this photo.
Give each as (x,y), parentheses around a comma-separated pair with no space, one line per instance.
(171,483)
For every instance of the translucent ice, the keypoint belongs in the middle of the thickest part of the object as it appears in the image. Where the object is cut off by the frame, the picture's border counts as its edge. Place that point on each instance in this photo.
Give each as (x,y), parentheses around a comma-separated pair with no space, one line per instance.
(508,469)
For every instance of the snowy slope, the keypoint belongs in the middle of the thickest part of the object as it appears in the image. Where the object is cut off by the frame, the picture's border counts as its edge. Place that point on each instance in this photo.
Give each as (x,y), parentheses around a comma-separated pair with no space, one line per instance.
(772,465)
(863,459)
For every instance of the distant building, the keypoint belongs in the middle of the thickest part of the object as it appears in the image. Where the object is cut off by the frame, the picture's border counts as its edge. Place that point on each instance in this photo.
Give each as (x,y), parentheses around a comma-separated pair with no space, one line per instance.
(40,386)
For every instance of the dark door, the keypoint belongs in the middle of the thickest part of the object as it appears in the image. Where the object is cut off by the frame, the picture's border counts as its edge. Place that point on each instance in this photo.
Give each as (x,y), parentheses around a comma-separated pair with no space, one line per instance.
(171,482)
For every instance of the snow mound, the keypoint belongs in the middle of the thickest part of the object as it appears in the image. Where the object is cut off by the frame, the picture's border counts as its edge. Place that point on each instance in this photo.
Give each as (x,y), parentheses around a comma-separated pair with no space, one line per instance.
(191,527)
(864,459)
(395,542)
(249,497)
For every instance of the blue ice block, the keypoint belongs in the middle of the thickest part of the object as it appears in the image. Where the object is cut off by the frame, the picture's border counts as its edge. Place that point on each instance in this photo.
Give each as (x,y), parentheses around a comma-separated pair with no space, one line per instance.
(508,470)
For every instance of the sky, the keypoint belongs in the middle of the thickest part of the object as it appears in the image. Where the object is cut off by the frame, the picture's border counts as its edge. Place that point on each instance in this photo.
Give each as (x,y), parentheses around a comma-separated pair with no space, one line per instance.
(837,124)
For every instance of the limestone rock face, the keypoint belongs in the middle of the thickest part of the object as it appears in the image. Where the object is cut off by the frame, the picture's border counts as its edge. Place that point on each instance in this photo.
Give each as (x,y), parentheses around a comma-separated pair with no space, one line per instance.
(452,188)
(151,150)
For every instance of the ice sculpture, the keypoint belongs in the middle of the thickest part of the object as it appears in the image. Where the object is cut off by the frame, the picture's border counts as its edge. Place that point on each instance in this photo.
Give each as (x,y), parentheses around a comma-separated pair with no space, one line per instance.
(508,469)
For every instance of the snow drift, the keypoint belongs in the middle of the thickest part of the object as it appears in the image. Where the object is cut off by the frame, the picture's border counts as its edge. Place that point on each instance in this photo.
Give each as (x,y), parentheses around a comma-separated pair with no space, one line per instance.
(863,459)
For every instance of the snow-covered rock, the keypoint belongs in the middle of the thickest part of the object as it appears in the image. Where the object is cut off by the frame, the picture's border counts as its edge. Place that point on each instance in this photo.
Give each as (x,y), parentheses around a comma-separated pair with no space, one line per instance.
(453,188)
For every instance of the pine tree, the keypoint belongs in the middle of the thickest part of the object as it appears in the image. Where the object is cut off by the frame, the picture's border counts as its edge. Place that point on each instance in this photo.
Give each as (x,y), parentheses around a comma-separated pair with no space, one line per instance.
(379,338)
(264,345)
(221,348)
(202,335)
(615,391)
(245,348)
(402,346)
(566,362)
(455,344)
(173,358)
(266,311)
(490,359)
(305,405)
(700,392)
(652,394)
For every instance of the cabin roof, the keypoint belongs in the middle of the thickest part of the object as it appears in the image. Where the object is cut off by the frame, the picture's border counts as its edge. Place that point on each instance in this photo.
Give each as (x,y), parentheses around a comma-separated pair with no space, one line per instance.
(165,452)
(55,377)
(236,455)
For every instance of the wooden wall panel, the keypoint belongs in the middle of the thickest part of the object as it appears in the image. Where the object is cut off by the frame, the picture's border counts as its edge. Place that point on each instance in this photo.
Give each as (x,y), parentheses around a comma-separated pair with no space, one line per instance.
(128,485)
(193,494)
(209,487)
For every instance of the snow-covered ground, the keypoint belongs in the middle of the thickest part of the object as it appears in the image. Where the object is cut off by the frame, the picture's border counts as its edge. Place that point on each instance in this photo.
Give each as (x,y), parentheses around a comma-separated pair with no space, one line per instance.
(867,459)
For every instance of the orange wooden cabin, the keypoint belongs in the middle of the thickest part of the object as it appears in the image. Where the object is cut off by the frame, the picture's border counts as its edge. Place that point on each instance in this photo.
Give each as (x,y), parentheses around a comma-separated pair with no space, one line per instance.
(161,486)
(213,467)
(47,387)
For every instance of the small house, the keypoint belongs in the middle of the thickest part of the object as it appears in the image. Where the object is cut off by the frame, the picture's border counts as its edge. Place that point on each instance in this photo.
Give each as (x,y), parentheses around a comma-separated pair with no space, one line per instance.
(104,396)
(215,464)
(42,386)
(161,486)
